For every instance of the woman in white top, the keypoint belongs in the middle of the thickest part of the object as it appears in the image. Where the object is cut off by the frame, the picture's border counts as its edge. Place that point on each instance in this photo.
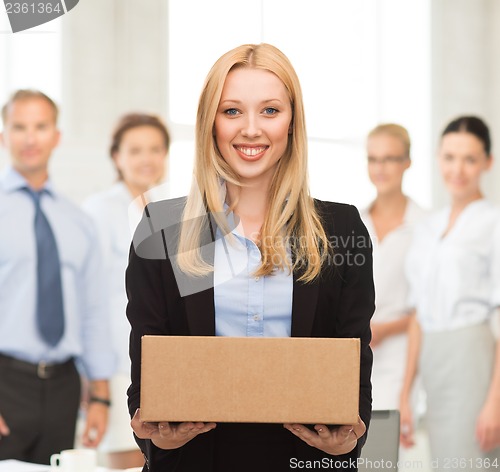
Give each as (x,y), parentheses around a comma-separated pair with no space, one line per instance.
(390,220)
(139,148)
(453,268)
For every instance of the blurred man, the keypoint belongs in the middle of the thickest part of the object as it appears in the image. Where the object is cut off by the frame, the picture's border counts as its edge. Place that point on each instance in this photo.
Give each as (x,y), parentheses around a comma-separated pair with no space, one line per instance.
(52,313)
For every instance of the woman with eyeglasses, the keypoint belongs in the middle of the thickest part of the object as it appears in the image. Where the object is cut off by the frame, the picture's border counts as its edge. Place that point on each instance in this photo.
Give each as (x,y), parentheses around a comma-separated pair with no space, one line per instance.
(454,272)
(390,220)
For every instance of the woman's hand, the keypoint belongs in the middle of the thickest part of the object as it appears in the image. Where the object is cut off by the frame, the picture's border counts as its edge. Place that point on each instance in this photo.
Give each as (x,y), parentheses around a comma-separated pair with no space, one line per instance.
(333,441)
(167,435)
(488,426)
(406,424)
(488,422)
(379,333)
(4,429)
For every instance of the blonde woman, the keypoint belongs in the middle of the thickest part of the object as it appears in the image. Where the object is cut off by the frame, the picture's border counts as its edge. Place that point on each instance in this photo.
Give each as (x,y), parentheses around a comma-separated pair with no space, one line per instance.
(453,272)
(250,183)
(390,220)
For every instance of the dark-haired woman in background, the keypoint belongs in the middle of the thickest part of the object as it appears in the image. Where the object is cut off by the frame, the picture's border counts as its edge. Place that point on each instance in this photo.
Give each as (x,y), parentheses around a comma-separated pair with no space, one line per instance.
(139,148)
(453,271)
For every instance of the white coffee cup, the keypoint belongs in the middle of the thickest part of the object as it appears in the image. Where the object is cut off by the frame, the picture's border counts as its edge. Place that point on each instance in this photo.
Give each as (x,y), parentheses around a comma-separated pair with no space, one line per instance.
(74,460)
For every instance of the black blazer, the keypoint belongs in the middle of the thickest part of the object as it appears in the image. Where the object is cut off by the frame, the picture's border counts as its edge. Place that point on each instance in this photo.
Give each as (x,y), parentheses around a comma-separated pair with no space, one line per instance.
(338,304)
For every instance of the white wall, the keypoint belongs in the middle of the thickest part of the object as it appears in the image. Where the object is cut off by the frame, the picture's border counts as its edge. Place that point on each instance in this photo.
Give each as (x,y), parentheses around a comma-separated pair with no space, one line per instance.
(466,73)
(115,61)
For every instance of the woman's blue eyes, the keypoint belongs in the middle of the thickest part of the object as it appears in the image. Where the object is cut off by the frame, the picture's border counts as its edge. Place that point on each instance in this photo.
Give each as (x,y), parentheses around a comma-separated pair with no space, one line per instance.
(266,111)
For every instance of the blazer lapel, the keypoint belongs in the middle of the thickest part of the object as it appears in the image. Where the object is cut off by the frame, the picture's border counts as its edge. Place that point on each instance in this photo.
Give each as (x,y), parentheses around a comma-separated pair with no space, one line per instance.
(304,301)
(200,307)
(200,313)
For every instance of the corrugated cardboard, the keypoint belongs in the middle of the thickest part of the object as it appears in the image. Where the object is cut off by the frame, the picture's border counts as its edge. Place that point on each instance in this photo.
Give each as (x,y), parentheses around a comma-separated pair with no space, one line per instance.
(256,380)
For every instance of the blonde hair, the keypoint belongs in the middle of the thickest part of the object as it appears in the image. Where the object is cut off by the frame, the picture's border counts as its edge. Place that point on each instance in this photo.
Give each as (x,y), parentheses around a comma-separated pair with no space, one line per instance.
(291,216)
(396,131)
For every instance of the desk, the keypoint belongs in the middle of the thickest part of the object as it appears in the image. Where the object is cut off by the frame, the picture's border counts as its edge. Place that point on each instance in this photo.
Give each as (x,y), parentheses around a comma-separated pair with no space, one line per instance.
(18,466)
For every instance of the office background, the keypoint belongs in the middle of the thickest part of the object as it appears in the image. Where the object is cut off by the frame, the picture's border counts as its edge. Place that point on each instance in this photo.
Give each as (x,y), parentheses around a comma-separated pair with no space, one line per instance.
(415,62)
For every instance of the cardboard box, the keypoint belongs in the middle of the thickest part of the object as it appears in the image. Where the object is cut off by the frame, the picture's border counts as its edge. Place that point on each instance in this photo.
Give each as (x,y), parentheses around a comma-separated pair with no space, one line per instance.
(255,380)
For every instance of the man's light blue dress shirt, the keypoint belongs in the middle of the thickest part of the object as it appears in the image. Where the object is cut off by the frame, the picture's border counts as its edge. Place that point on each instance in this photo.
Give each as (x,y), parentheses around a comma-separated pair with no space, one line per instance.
(87,334)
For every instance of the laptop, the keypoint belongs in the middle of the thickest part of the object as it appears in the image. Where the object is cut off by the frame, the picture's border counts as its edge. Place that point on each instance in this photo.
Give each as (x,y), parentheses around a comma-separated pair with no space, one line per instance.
(381,450)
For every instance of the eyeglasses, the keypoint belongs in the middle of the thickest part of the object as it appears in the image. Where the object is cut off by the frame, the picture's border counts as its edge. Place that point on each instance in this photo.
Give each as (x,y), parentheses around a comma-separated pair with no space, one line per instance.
(386,160)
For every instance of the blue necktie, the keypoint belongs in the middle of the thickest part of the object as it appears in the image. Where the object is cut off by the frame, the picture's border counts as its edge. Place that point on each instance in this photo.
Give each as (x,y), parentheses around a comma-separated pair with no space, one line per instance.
(49,307)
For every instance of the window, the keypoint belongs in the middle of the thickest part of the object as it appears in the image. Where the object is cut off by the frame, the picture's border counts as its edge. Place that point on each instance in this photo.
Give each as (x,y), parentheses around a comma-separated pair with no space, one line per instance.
(360,63)
(29,63)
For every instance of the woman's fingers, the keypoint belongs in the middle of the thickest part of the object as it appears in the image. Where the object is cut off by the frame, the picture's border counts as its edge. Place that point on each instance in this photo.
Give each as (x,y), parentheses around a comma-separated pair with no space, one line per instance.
(4,429)
(488,437)
(190,428)
(300,431)
(143,429)
(167,435)
(352,432)
(332,441)
(406,425)
(323,431)
(166,430)
(359,428)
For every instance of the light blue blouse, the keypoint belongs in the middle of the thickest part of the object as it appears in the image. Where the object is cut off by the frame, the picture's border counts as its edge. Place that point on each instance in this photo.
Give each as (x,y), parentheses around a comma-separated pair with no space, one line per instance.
(246,305)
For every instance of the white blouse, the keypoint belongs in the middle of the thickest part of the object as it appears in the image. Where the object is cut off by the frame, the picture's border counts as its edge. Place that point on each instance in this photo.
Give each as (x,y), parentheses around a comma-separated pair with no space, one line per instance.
(455,279)
(116,215)
(391,300)
(389,255)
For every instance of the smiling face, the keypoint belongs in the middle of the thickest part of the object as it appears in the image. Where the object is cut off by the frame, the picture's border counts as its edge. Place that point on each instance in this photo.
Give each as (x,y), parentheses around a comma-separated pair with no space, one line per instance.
(30,135)
(463,161)
(141,157)
(387,162)
(252,124)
